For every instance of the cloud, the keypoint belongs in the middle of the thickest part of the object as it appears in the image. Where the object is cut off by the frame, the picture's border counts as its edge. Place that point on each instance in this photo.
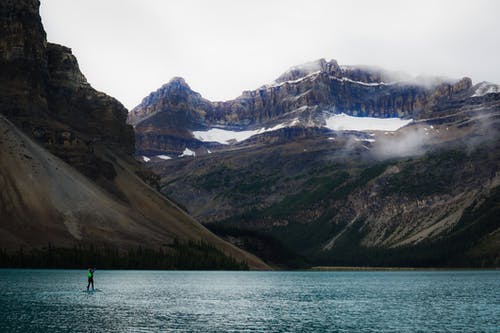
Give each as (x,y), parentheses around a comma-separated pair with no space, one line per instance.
(410,142)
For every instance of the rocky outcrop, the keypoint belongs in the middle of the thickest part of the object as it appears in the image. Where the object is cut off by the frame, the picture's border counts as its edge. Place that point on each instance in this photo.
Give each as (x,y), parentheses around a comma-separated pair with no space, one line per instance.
(44,93)
(97,116)
(23,60)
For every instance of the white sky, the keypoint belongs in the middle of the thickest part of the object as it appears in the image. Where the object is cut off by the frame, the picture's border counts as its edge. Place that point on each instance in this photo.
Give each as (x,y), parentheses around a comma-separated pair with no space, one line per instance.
(128,48)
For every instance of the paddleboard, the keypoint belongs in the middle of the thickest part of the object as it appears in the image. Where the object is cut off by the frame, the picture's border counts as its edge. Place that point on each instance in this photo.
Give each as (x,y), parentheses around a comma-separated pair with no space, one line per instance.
(92,291)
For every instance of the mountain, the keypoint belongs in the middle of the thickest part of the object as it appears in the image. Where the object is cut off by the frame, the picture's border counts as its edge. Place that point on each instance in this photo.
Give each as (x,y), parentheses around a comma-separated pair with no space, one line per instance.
(336,165)
(70,187)
(175,117)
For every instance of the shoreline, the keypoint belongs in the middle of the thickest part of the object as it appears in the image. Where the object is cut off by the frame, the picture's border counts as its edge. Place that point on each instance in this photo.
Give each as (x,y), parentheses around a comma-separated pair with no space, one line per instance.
(367,268)
(273,269)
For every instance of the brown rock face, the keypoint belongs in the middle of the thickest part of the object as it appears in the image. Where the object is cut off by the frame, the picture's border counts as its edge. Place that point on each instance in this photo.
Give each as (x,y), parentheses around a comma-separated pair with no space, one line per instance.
(99,117)
(43,92)
(23,59)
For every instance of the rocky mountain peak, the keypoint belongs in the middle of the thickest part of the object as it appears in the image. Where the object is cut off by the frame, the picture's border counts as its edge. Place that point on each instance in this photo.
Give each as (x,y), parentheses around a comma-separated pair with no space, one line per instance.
(177,82)
(174,97)
(176,90)
(360,73)
(300,71)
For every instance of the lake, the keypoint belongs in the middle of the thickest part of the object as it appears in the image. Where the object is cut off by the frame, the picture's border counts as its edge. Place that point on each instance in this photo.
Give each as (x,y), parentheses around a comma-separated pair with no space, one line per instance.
(209,301)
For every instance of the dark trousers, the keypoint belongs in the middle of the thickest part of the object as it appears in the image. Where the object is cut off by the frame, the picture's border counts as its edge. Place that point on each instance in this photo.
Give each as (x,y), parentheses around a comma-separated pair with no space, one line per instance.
(91,281)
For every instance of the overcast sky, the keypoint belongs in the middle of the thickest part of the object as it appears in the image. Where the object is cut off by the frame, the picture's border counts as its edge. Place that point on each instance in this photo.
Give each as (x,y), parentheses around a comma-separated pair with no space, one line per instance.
(128,48)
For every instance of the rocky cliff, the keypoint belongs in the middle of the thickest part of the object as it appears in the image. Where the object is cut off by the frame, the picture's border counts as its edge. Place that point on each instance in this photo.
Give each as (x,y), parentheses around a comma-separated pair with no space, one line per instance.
(68,178)
(45,94)
(23,60)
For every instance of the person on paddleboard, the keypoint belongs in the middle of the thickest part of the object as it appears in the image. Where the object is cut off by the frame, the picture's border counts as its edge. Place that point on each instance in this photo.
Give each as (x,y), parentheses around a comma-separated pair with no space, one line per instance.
(90,275)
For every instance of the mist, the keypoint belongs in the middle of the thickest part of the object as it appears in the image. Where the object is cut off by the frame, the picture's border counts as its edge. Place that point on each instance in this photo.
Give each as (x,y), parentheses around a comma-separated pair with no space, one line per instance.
(408,143)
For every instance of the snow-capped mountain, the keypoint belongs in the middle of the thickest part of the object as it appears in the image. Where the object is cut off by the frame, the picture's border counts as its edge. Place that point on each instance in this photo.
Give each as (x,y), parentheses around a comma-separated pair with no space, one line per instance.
(320,94)
(342,164)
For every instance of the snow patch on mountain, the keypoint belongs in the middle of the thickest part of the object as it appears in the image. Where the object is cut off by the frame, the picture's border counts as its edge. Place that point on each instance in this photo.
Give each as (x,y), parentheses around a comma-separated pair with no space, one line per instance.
(146,159)
(343,122)
(164,157)
(227,137)
(368,84)
(337,122)
(278,84)
(341,79)
(365,140)
(187,152)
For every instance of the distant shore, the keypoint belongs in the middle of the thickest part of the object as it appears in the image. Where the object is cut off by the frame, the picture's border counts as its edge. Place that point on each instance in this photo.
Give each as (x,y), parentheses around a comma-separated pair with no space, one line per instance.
(365,268)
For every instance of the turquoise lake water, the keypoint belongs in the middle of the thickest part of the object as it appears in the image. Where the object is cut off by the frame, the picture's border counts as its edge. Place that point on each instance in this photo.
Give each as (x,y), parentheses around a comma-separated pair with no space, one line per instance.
(180,301)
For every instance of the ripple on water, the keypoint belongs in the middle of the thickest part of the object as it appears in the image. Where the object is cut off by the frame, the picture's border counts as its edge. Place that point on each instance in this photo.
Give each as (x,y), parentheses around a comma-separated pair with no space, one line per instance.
(152,301)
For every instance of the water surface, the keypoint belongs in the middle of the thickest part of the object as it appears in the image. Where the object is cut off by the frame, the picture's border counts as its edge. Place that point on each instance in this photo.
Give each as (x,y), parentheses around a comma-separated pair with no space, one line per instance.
(154,301)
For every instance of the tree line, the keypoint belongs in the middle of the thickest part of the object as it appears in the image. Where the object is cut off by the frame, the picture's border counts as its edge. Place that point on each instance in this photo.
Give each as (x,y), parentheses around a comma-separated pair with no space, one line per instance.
(182,256)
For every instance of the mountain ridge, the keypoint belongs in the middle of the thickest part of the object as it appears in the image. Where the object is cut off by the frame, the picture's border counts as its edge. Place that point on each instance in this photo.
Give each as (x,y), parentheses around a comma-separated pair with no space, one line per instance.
(164,123)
